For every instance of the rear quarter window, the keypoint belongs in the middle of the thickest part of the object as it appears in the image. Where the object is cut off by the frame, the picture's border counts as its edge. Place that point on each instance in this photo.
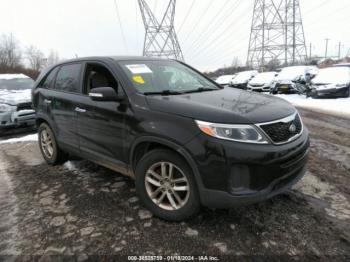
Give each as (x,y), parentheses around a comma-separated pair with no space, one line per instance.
(68,78)
(48,79)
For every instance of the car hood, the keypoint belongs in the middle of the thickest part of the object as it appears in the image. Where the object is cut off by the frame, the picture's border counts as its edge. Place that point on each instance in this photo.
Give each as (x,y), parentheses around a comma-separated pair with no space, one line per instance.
(15,97)
(227,106)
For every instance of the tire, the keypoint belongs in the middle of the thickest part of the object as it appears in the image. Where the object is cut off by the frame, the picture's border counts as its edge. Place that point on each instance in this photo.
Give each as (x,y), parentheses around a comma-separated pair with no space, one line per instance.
(187,203)
(50,151)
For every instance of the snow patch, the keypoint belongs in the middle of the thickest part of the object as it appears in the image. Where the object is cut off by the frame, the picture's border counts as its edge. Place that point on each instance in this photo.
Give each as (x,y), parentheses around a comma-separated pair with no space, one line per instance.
(12,76)
(339,106)
(29,138)
(70,166)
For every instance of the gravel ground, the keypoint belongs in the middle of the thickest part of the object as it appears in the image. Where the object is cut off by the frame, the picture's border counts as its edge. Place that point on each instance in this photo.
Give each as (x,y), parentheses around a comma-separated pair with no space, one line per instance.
(81,211)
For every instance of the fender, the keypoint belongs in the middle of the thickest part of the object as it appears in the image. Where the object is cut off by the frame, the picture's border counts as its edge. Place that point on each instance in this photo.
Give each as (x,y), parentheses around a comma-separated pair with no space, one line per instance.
(44,117)
(179,149)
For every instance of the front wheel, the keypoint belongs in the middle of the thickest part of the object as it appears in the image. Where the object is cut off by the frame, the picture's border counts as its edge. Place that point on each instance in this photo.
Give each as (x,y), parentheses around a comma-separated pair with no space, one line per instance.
(48,146)
(166,185)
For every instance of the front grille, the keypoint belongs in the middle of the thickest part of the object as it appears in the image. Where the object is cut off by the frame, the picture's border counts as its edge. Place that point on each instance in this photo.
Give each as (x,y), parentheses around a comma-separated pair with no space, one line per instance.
(24,106)
(283,131)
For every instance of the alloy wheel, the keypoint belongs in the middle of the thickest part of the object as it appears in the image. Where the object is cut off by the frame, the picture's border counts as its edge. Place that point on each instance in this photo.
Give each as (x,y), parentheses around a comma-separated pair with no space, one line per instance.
(46,143)
(167,186)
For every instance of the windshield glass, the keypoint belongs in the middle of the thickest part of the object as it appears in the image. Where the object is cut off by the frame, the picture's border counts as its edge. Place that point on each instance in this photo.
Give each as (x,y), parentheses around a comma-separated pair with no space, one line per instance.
(226,79)
(291,73)
(333,75)
(16,84)
(264,77)
(161,76)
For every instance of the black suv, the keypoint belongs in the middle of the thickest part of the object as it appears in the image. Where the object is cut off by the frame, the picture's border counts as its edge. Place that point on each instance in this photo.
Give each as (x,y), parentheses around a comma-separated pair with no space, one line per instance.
(185,140)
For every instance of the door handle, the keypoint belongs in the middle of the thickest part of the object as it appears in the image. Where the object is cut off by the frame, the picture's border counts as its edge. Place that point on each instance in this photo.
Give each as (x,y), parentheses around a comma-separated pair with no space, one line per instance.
(48,102)
(80,110)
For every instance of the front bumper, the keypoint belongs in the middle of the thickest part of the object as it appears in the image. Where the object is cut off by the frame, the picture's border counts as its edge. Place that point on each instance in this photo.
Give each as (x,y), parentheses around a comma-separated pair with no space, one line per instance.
(240,86)
(330,92)
(259,88)
(234,174)
(285,88)
(14,119)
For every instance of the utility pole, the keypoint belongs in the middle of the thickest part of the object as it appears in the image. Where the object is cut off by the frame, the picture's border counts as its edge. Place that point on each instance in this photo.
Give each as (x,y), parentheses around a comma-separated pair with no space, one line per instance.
(339,51)
(277,33)
(160,38)
(310,52)
(326,53)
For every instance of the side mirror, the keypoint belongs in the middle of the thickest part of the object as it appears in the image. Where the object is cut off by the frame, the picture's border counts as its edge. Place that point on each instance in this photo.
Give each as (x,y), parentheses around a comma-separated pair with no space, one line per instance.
(105,94)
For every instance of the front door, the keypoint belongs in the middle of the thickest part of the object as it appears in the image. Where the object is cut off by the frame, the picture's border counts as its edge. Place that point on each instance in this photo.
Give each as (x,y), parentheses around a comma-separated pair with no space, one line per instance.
(101,125)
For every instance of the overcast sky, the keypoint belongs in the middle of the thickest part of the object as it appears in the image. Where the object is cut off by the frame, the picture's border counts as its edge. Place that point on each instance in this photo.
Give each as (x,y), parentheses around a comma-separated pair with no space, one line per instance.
(209,38)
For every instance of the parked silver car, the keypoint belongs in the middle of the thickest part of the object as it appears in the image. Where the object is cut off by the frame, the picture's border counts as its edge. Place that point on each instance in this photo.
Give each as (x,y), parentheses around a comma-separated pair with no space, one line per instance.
(15,101)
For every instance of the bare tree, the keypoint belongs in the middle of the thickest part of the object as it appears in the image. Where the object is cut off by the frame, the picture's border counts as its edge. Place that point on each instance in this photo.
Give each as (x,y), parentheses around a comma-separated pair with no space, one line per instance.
(53,58)
(236,62)
(10,53)
(36,58)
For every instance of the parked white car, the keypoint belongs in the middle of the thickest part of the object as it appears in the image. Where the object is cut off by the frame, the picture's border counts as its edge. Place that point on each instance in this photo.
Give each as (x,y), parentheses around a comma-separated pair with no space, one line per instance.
(263,82)
(15,101)
(290,77)
(225,80)
(242,79)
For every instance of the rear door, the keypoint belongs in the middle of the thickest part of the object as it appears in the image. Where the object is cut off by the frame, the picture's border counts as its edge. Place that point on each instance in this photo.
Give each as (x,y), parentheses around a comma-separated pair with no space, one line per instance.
(65,97)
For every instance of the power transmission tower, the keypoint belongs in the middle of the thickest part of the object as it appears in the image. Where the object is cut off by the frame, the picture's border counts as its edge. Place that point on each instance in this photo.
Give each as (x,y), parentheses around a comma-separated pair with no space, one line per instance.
(160,37)
(277,33)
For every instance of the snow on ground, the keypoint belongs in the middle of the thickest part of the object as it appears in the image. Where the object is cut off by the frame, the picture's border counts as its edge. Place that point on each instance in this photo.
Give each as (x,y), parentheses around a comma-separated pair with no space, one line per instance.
(12,76)
(29,138)
(338,107)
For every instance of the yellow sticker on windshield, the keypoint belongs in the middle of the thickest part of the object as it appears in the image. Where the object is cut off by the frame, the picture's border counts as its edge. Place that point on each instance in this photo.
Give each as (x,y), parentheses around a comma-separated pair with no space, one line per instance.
(139,80)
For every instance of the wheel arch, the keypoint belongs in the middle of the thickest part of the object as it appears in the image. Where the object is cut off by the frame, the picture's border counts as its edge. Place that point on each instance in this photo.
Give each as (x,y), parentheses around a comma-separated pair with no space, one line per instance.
(145,144)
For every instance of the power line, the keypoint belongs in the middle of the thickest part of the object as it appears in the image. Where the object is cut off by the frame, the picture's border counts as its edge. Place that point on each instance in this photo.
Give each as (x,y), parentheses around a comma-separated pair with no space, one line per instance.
(187,15)
(199,20)
(209,44)
(213,25)
(121,26)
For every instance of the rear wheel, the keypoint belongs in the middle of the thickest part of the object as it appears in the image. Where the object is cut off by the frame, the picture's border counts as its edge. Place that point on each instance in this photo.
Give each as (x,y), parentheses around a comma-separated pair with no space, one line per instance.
(48,146)
(166,185)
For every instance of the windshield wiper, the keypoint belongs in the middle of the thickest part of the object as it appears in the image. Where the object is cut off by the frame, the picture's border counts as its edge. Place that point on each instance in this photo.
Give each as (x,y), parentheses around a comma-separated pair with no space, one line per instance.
(201,89)
(163,93)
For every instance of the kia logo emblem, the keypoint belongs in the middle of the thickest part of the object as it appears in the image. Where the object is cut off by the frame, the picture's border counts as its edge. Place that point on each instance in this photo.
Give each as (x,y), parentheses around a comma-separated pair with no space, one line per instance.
(292,128)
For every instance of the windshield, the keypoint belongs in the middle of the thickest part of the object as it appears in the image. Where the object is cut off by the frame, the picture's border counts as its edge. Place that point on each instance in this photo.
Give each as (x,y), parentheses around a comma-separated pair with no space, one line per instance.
(165,76)
(16,84)
(244,76)
(226,79)
(264,77)
(291,73)
(334,75)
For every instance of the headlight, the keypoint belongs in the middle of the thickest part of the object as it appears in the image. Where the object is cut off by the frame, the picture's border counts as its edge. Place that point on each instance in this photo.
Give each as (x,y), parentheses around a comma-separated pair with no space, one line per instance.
(238,133)
(5,108)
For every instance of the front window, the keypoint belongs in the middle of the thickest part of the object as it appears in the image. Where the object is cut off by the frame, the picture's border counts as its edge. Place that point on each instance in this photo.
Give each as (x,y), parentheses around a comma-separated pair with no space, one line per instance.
(170,77)
(16,84)
(292,73)
(265,77)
